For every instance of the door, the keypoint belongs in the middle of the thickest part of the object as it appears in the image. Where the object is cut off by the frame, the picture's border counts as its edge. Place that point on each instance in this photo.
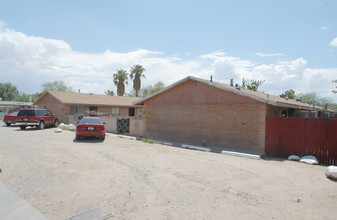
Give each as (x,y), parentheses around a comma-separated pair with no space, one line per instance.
(48,117)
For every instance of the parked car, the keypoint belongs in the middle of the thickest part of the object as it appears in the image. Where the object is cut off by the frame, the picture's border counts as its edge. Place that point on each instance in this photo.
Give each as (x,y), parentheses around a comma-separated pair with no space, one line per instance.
(36,117)
(10,119)
(90,127)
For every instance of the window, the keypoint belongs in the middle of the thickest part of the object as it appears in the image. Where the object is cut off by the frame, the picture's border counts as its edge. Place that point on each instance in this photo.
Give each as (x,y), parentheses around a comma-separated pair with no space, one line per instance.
(115,111)
(131,111)
(93,111)
(77,110)
(39,113)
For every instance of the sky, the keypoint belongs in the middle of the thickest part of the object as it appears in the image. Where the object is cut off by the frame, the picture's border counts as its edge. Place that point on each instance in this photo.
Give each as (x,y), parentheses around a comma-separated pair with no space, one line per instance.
(291,44)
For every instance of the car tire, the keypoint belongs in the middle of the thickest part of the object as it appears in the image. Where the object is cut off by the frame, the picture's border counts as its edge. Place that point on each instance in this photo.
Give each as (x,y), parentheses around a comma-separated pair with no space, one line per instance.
(22,127)
(77,137)
(103,137)
(41,125)
(8,124)
(56,123)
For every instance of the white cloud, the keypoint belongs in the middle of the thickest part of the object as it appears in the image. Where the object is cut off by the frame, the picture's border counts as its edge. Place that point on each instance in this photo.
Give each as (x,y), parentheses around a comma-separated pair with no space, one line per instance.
(270,54)
(324,28)
(29,61)
(333,43)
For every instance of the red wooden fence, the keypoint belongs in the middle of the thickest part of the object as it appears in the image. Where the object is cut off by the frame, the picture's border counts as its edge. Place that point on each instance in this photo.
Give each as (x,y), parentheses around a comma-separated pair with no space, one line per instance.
(302,136)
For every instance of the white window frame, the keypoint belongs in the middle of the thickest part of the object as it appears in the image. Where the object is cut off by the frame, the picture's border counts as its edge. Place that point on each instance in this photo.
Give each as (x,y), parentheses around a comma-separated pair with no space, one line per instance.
(115,111)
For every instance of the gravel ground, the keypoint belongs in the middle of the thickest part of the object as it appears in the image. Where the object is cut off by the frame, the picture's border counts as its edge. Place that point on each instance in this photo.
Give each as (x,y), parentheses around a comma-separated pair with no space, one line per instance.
(135,180)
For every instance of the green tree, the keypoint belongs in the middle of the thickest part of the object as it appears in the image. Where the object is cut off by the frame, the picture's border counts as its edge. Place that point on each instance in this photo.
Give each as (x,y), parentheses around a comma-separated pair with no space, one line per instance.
(23,97)
(290,94)
(136,72)
(36,96)
(56,86)
(8,92)
(110,92)
(120,79)
(147,90)
(252,84)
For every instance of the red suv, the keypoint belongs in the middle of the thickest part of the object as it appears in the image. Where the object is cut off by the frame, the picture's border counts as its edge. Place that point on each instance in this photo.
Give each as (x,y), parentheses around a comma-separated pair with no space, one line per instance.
(36,117)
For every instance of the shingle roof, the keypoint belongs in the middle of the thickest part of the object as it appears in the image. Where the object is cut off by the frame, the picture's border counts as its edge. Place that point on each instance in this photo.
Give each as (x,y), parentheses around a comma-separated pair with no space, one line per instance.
(256,95)
(91,99)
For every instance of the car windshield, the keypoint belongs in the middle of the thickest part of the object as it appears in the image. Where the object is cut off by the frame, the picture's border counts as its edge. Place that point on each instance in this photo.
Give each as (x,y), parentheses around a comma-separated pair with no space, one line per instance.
(14,113)
(92,121)
(26,113)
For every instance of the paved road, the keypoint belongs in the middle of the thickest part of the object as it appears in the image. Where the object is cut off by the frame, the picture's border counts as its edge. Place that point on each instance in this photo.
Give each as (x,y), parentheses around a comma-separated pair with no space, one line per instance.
(136,180)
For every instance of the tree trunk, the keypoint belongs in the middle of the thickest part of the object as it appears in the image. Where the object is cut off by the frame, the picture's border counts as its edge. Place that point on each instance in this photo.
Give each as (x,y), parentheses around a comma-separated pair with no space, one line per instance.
(136,85)
(120,89)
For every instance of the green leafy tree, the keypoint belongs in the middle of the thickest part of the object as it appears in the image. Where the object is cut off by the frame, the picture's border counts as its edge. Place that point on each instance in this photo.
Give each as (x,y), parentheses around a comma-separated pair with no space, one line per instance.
(290,94)
(56,86)
(120,79)
(252,84)
(36,96)
(110,92)
(23,97)
(8,92)
(148,90)
(136,72)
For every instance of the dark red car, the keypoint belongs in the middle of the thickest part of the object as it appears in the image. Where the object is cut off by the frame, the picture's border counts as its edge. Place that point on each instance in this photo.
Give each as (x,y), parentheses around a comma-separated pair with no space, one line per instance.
(10,119)
(36,117)
(90,127)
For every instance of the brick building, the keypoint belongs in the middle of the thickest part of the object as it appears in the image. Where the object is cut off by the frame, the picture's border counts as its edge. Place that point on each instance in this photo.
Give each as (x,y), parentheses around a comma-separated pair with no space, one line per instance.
(69,105)
(202,112)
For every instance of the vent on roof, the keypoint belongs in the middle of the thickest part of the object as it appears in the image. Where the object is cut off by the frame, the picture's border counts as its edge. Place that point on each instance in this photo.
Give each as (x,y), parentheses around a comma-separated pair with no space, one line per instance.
(211,78)
(90,93)
(231,81)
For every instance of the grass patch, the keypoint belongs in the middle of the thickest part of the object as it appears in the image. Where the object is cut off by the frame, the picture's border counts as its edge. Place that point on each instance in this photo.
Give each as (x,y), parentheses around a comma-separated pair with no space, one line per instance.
(149,140)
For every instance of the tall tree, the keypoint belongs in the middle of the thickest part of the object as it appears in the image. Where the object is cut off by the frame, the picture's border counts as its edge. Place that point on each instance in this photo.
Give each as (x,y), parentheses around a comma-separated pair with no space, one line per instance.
(334,91)
(136,72)
(120,78)
(8,91)
(56,86)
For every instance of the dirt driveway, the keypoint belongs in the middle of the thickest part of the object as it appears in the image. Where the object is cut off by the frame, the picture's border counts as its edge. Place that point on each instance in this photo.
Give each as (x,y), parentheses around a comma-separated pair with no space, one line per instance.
(136,180)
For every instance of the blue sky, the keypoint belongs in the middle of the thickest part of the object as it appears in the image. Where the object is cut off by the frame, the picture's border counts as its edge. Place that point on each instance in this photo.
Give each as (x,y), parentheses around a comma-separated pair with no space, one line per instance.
(290,44)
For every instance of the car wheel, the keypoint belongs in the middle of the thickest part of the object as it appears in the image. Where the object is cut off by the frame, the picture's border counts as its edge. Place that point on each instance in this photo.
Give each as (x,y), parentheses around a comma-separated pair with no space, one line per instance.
(103,137)
(41,125)
(77,137)
(56,123)
(22,127)
(8,124)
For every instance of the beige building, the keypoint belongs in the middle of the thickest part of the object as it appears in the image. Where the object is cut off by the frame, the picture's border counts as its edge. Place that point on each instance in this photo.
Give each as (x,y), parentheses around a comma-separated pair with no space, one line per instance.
(68,106)
(202,112)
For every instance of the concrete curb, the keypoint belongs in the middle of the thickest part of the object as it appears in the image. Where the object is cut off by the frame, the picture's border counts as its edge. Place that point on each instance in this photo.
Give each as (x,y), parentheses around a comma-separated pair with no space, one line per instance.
(195,147)
(250,156)
(165,143)
(127,137)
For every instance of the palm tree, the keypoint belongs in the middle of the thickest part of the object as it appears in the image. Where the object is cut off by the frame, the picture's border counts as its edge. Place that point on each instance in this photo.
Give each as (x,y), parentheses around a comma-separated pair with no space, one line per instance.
(136,73)
(120,78)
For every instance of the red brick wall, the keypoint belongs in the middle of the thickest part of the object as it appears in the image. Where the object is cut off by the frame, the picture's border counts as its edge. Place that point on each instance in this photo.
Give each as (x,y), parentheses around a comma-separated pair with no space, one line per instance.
(55,106)
(205,115)
(236,126)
